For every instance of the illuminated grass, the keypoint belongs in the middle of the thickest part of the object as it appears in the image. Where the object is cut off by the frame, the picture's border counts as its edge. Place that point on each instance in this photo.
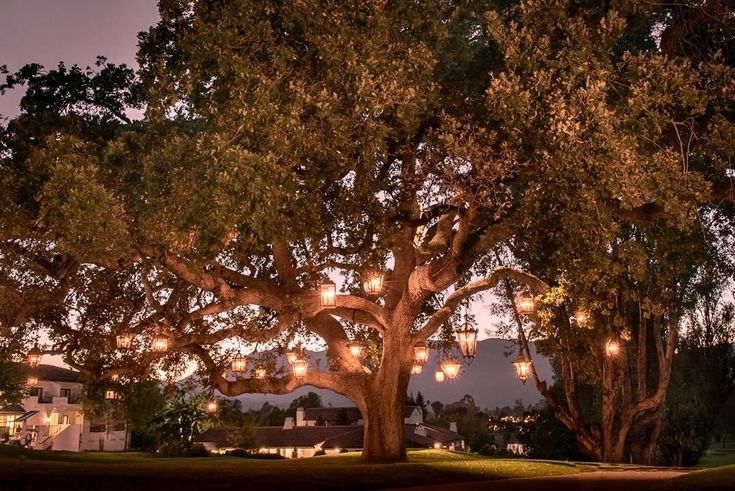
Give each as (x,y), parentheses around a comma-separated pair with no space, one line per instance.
(68,470)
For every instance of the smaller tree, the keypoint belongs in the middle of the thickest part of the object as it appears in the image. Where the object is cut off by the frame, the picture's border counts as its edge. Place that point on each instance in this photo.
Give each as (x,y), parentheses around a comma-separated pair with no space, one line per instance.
(181,419)
(246,437)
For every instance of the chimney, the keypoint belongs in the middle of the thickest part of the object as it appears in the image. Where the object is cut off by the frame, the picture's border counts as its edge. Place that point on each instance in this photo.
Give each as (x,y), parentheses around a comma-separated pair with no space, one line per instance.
(300,416)
(453,427)
(288,423)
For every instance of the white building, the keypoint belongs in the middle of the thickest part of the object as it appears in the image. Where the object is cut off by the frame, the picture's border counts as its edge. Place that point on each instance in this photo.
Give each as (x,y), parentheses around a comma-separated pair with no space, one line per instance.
(52,418)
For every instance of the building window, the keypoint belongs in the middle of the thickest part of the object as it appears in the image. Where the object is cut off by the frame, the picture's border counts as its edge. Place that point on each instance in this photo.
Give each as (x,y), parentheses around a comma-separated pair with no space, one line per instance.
(37,391)
(66,393)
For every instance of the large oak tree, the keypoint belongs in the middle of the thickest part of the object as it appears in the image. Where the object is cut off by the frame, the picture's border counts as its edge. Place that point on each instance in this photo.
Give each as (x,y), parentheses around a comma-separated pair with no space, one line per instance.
(286,142)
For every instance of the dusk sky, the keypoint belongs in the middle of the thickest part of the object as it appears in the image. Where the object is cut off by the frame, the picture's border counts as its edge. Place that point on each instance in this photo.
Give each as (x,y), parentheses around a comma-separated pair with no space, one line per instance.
(73,31)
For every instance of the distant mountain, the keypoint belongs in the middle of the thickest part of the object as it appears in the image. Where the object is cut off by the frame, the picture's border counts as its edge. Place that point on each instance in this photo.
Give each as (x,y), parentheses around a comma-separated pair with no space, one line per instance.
(490,379)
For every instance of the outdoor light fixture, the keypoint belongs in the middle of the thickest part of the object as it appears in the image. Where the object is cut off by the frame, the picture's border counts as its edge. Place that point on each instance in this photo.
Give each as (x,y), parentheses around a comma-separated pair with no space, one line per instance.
(212,406)
(450,367)
(32,380)
(612,348)
(300,367)
(292,356)
(467,338)
(239,364)
(160,344)
(582,318)
(522,364)
(417,369)
(328,294)
(373,285)
(124,341)
(260,373)
(34,356)
(525,304)
(110,395)
(356,348)
(439,375)
(420,353)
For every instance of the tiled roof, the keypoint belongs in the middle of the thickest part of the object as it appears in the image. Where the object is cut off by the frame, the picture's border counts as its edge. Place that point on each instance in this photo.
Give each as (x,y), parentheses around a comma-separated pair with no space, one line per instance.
(52,373)
(328,436)
(353,414)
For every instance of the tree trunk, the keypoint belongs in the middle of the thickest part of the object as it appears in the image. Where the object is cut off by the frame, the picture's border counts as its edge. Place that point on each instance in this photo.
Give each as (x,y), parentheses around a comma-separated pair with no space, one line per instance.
(382,410)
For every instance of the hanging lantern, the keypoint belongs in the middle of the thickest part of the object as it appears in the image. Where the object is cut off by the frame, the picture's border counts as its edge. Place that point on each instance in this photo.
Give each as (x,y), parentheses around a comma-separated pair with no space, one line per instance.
(34,356)
(260,373)
(450,367)
(212,406)
(300,367)
(612,348)
(32,380)
(110,395)
(124,341)
(525,304)
(439,375)
(467,339)
(292,356)
(373,284)
(356,348)
(160,344)
(420,353)
(239,364)
(416,369)
(523,366)
(328,294)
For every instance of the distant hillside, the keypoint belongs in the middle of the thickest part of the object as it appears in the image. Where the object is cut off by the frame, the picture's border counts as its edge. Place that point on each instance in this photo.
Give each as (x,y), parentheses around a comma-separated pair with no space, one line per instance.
(490,379)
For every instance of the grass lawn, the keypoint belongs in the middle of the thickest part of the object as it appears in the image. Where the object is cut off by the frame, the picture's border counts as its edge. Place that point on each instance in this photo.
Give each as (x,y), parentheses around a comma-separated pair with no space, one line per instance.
(718,455)
(81,471)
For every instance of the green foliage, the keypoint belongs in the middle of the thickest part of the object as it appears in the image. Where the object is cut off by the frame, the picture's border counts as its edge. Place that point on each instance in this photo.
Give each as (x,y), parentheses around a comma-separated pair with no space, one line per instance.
(180,419)
(310,400)
(142,407)
(12,382)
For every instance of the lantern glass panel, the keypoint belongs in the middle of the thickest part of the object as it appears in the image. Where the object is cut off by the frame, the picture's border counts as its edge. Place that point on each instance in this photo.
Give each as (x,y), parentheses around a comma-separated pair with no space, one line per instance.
(239,364)
(328,294)
(525,304)
(373,285)
(523,367)
(420,353)
(467,339)
(160,344)
(300,368)
(124,341)
(34,356)
(439,375)
(450,367)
